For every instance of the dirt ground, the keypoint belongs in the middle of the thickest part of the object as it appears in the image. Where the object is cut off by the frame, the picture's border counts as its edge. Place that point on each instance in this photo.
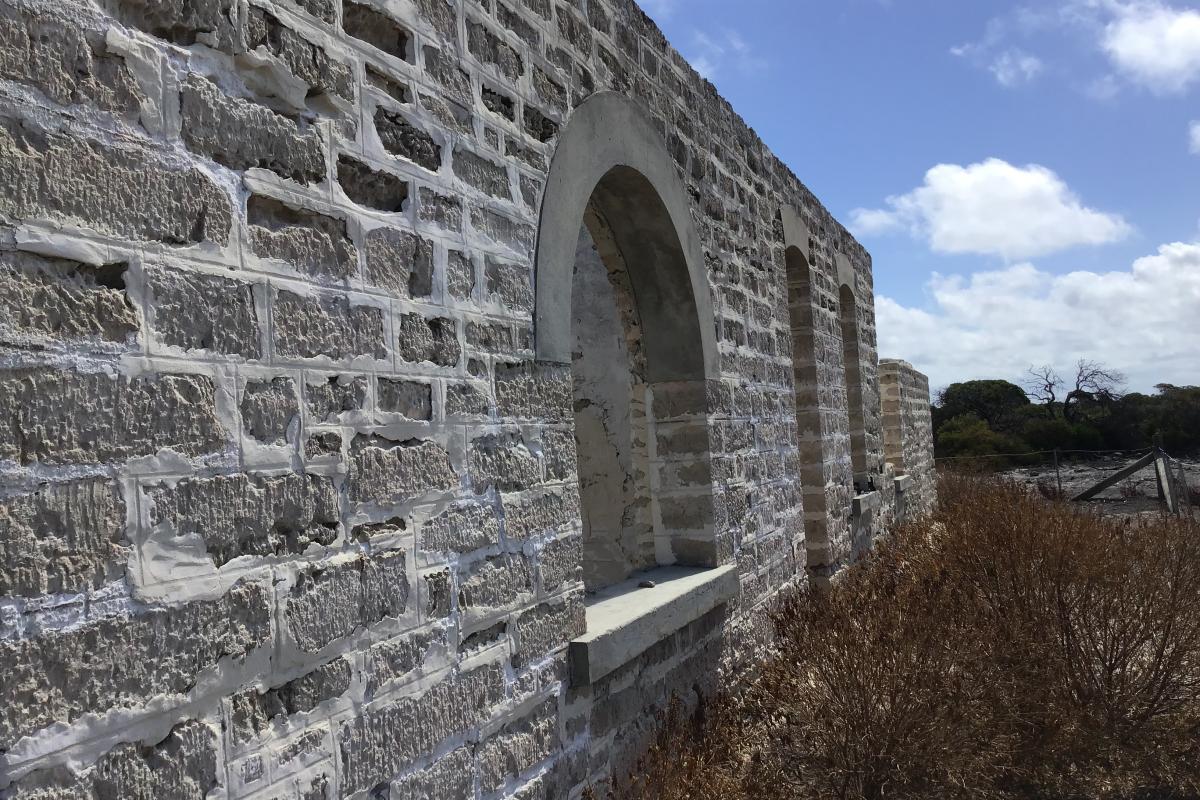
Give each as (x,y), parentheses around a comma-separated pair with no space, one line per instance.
(1135,496)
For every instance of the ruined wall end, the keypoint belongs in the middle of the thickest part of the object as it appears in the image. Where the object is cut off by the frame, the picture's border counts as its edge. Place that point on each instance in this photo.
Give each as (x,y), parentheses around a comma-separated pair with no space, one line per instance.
(908,433)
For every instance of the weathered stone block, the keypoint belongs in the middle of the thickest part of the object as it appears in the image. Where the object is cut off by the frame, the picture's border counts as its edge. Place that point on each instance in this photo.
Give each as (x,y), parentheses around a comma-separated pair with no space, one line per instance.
(460,275)
(128,191)
(441,15)
(397,658)
(71,418)
(268,408)
(331,602)
(62,538)
(519,746)
(498,103)
(375,746)
(494,583)
(253,712)
(399,261)
(122,662)
(491,49)
(482,174)
(451,777)
(45,48)
(371,187)
(307,327)
(503,461)
(398,90)
(305,60)
(461,529)
(336,395)
(467,400)
(560,563)
(433,340)
(323,444)
(249,515)
(413,399)
(548,627)
(241,134)
(498,338)
(439,209)
(515,235)
(61,300)
(534,390)
(376,29)
(196,311)
(315,244)
(438,594)
(443,68)
(511,285)
(183,766)
(383,471)
(401,138)
(184,22)
(536,513)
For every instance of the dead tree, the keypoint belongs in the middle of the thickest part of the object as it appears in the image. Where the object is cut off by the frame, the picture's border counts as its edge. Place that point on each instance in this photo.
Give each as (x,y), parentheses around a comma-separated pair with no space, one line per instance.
(1042,385)
(1093,382)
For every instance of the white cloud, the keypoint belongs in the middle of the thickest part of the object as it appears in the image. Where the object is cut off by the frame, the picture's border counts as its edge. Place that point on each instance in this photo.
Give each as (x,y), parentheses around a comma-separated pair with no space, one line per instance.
(1155,45)
(1142,321)
(993,208)
(711,54)
(1194,137)
(1015,67)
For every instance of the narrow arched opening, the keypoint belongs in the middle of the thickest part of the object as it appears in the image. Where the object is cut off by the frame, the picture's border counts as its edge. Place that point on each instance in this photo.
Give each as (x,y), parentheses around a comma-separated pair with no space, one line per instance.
(808,393)
(851,358)
(639,388)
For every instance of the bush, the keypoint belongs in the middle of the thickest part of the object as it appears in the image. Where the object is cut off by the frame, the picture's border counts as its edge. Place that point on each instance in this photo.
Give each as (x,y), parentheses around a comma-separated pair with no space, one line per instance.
(1007,648)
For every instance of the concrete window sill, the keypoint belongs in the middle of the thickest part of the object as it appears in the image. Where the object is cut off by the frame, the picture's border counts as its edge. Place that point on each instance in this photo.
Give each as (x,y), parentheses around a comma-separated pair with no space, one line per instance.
(903,483)
(866,503)
(624,621)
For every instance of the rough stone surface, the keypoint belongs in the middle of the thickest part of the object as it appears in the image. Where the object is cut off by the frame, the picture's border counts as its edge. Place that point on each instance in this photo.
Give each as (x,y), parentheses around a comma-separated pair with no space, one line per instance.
(399,261)
(371,188)
(412,399)
(123,661)
(305,60)
(61,538)
(518,746)
(308,327)
(128,192)
(433,340)
(402,138)
(60,300)
(71,418)
(448,777)
(268,408)
(376,745)
(253,712)
(383,470)
(461,529)
(398,658)
(205,312)
(241,134)
(336,395)
(331,602)
(182,766)
(315,244)
(244,515)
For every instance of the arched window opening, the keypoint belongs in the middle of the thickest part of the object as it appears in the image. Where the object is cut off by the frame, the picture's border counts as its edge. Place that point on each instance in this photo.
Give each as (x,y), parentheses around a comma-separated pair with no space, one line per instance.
(808,400)
(639,392)
(854,392)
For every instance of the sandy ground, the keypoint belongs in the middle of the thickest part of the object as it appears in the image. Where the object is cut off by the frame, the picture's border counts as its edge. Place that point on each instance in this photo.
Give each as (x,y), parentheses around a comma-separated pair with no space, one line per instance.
(1135,496)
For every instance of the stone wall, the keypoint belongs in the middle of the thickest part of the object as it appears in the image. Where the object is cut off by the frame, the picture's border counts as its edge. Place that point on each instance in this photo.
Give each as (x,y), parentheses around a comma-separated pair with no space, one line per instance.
(908,432)
(288,507)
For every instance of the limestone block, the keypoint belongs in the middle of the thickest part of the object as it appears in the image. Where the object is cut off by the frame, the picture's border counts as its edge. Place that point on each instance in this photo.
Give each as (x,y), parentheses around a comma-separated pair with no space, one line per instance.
(307,61)
(371,188)
(242,134)
(494,583)
(503,461)
(398,658)
(62,300)
(548,627)
(336,395)
(537,513)
(413,399)
(482,173)
(196,311)
(451,777)
(491,49)
(268,408)
(519,746)
(130,191)
(378,744)
(498,338)
(253,712)
(510,284)
(560,562)
(439,209)
(124,661)
(331,602)
(315,244)
(249,515)
(183,766)
(330,325)
(383,471)
(72,418)
(184,22)
(377,29)
(399,261)
(461,528)
(434,340)
(61,538)
(401,138)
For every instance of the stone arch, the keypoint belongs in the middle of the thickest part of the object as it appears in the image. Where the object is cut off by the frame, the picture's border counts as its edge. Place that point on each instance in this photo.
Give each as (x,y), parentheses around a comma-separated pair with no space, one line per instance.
(852,365)
(622,297)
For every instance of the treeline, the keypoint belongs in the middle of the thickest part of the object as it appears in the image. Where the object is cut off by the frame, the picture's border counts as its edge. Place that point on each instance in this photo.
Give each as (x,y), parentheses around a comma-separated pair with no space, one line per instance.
(1088,412)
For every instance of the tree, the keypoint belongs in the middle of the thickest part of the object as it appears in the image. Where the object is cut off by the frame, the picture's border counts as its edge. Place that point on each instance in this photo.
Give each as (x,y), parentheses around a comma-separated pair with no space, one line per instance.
(1094,383)
(1042,384)
(997,403)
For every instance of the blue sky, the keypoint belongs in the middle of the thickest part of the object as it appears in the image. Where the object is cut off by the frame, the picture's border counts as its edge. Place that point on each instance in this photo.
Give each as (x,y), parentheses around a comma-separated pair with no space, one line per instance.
(1025,175)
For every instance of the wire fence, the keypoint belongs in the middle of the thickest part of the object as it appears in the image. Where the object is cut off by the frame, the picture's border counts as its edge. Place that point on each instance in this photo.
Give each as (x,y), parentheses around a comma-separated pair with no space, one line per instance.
(1140,452)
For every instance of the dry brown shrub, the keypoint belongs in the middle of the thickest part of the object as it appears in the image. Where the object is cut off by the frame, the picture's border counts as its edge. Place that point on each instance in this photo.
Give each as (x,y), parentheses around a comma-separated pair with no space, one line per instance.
(1005,648)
